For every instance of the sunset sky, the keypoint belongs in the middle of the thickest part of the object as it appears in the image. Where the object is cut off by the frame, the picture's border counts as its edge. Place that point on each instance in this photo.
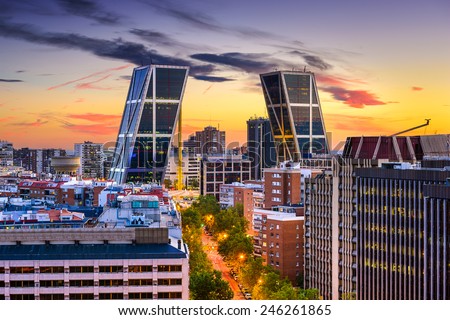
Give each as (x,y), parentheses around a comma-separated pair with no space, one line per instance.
(381,66)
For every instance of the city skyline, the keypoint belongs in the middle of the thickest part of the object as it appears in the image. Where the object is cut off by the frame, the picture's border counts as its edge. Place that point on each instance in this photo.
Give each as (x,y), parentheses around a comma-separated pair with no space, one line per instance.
(380,67)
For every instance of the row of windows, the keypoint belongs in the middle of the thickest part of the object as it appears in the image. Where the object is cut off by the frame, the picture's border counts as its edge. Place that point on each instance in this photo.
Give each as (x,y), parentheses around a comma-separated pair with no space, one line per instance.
(90,283)
(90,296)
(90,269)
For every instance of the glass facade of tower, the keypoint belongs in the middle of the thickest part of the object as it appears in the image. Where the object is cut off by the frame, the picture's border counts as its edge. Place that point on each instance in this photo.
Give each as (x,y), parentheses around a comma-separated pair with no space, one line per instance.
(295,114)
(148,123)
(260,146)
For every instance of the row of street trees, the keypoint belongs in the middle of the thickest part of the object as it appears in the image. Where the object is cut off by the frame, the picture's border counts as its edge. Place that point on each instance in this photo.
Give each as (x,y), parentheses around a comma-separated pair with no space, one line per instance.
(229,227)
(205,282)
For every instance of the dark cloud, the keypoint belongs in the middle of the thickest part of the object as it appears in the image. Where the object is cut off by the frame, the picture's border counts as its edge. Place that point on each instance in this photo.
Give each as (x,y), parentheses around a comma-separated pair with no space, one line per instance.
(10,80)
(90,10)
(313,60)
(128,78)
(212,78)
(20,71)
(354,98)
(247,62)
(198,20)
(119,49)
(154,37)
(201,21)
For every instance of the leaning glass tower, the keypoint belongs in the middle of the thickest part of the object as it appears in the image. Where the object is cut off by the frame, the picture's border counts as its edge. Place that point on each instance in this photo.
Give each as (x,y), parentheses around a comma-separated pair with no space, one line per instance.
(149,119)
(295,114)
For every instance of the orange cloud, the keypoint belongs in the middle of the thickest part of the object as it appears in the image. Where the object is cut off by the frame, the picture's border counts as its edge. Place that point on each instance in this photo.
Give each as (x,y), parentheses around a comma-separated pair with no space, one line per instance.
(354,98)
(6,119)
(416,88)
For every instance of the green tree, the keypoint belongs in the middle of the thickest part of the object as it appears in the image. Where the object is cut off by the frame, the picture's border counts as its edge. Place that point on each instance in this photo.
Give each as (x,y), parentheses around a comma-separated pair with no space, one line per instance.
(252,273)
(207,285)
(205,205)
(167,183)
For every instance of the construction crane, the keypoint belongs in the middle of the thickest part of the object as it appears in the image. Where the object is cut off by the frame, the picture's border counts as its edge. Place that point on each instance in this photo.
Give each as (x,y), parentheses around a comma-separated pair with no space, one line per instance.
(414,128)
(179,185)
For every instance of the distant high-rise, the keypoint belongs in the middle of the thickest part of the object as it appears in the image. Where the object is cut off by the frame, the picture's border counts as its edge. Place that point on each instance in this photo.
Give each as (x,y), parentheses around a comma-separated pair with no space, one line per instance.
(260,146)
(6,153)
(211,141)
(92,159)
(151,112)
(295,114)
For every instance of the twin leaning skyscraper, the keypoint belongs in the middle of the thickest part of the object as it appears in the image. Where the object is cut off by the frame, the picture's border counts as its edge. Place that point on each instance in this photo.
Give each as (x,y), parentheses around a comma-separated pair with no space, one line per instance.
(153,106)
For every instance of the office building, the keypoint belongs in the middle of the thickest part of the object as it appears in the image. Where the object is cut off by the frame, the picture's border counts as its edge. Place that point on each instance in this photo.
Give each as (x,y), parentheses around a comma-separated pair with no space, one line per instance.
(295,115)
(218,170)
(337,186)
(133,252)
(260,146)
(150,116)
(402,246)
(190,168)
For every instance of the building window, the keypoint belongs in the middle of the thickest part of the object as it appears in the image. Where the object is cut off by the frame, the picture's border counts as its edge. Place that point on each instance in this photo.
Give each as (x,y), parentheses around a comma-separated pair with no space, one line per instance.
(51,283)
(278,227)
(144,268)
(110,296)
(140,282)
(169,282)
(169,268)
(140,295)
(51,269)
(111,283)
(81,269)
(21,270)
(81,296)
(81,283)
(111,269)
(21,284)
(169,295)
(51,297)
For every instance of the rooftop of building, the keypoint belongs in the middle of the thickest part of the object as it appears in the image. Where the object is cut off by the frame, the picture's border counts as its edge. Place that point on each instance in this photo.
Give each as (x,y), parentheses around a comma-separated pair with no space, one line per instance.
(90,252)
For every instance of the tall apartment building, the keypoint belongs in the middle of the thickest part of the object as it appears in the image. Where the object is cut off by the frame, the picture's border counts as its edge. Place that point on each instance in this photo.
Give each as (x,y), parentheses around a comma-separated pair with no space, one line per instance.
(218,170)
(285,185)
(150,116)
(91,158)
(295,114)
(280,241)
(6,153)
(211,141)
(260,146)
